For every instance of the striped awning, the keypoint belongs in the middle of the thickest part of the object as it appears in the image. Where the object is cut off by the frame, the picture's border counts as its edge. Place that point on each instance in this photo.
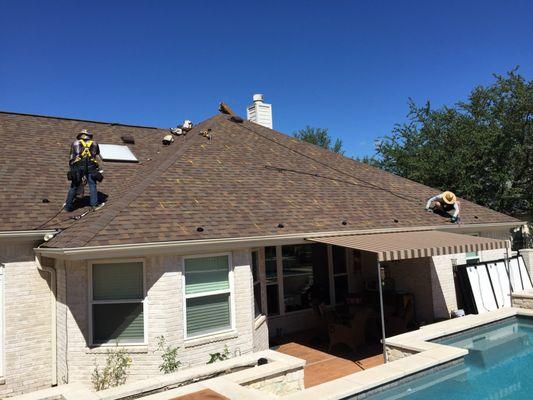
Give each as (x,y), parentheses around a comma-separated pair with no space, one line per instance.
(405,245)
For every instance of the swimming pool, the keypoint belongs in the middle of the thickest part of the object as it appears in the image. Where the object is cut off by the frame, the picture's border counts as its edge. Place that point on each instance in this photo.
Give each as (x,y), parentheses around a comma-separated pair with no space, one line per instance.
(499,365)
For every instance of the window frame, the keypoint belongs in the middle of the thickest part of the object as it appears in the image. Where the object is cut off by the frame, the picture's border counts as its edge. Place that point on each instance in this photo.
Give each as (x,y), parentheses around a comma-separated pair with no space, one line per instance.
(281,279)
(259,281)
(278,282)
(333,274)
(230,291)
(143,301)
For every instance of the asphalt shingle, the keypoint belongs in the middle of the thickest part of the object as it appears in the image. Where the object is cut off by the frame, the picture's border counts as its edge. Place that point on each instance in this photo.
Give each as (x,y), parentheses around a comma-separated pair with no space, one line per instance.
(245,181)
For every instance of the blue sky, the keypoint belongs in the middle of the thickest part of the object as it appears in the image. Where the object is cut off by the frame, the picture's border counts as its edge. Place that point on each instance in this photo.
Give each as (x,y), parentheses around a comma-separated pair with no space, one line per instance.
(349,66)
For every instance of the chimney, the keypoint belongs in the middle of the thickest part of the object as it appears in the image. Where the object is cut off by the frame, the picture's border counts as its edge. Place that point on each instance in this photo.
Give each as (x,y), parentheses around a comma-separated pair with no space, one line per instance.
(259,112)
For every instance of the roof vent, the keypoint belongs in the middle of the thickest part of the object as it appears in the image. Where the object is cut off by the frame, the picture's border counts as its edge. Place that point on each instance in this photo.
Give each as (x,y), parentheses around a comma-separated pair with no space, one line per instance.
(128,139)
(260,112)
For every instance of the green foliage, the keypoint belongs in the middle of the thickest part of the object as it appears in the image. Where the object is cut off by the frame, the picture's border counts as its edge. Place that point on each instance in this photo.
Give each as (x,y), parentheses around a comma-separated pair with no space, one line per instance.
(169,356)
(115,371)
(214,357)
(481,149)
(319,137)
(369,160)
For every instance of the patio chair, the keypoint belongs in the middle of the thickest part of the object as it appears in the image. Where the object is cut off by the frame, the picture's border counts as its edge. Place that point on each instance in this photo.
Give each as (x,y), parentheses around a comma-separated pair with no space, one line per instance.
(351,333)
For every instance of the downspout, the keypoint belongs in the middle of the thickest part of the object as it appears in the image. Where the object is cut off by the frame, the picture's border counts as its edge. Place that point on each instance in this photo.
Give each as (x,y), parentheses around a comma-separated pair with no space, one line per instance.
(53,307)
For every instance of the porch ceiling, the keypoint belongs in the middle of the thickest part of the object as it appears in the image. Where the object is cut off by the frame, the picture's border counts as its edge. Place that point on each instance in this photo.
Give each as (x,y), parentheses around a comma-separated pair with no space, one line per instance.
(405,245)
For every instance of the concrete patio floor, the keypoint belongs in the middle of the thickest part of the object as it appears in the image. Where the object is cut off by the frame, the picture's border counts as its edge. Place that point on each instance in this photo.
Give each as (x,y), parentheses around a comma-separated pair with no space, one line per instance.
(323,367)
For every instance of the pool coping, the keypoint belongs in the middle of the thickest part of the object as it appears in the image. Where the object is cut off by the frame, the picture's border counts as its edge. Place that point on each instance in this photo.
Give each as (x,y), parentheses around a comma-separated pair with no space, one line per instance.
(420,354)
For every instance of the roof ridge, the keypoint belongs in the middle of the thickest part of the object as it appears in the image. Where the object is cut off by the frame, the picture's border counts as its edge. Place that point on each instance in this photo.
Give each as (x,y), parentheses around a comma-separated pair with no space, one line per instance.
(117,207)
(79,119)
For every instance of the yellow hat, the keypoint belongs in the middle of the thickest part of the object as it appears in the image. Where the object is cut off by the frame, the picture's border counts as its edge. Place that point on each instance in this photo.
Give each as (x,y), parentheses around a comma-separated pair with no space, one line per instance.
(449,197)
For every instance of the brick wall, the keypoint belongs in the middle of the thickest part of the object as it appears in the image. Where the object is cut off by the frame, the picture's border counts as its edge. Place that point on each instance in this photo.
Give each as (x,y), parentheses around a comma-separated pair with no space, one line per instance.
(414,276)
(442,279)
(164,308)
(28,321)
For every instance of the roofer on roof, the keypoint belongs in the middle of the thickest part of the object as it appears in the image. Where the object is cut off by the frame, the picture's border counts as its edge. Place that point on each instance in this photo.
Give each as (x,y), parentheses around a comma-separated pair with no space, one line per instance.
(443,203)
(83,162)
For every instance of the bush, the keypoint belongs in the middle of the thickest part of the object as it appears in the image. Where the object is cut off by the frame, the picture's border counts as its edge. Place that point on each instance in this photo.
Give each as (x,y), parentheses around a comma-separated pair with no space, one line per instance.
(170,356)
(115,371)
(214,357)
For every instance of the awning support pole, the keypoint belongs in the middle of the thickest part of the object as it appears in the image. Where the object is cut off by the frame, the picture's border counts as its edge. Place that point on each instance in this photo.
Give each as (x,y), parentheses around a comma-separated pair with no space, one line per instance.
(382,312)
(508,266)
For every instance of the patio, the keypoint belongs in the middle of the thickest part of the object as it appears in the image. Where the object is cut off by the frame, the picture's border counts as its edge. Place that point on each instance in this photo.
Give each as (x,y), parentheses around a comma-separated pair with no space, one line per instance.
(323,365)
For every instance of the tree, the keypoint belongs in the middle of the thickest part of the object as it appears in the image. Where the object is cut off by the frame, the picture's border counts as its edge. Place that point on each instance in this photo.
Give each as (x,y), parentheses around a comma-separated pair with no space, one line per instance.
(319,137)
(480,148)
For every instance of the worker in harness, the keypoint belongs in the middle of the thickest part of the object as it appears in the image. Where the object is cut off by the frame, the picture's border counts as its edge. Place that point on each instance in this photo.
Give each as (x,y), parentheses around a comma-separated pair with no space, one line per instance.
(84,164)
(444,203)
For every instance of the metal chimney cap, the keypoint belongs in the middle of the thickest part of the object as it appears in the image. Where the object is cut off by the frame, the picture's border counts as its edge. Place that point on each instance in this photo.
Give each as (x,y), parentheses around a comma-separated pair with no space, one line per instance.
(258,97)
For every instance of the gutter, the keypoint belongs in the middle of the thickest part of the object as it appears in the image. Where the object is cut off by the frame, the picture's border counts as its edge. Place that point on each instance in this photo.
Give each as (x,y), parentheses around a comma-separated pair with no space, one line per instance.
(201,245)
(36,234)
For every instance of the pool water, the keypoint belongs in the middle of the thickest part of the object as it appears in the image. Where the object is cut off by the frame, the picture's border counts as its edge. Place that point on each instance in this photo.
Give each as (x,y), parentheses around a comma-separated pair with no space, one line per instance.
(499,365)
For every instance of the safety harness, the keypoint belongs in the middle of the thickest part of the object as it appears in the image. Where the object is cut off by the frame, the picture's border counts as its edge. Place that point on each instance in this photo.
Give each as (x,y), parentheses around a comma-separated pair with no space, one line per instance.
(86,150)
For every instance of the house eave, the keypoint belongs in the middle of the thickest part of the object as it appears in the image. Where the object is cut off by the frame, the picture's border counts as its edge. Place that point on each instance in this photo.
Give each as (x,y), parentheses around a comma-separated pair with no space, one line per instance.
(202,245)
(27,235)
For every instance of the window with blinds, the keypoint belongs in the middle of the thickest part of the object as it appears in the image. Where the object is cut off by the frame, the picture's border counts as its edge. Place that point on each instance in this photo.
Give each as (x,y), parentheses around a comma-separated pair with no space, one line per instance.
(117,304)
(207,295)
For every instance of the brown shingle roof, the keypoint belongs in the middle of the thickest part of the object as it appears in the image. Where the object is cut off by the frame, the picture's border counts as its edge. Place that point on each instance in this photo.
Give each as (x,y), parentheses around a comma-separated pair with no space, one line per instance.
(34,162)
(245,181)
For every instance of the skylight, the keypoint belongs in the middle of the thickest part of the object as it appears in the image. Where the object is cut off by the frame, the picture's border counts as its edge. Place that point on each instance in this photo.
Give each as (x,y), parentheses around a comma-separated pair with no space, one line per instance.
(114,152)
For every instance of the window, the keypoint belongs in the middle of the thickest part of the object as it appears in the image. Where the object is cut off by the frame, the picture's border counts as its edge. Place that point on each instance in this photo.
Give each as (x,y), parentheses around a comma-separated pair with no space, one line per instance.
(340,274)
(257,284)
(117,303)
(271,270)
(305,276)
(207,294)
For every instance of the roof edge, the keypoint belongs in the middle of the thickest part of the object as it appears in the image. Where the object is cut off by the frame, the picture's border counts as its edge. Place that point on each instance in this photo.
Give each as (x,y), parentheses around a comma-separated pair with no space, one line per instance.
(35,234)
(139,249)
(79,119)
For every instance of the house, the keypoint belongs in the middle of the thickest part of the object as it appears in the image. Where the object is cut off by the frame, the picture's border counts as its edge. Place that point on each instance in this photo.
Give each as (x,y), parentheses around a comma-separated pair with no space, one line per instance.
(204,241)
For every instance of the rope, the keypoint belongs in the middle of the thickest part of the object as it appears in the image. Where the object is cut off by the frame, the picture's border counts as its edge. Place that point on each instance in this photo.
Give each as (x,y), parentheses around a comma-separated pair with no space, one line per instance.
(370,184)
(316,175)
(47,221)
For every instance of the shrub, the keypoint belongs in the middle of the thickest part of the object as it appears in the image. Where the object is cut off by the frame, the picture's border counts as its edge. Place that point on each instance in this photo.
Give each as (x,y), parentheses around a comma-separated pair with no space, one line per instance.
(170,356)
(214,357)
(115,371)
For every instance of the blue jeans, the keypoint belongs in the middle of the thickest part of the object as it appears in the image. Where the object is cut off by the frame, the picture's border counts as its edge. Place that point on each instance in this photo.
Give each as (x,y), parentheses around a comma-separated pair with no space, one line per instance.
(74,188)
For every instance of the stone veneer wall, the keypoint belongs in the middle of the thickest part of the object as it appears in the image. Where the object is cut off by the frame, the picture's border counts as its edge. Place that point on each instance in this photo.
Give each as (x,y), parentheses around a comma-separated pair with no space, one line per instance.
(28,321)
(396,353)
(523,299)
(164,308)
(281,384)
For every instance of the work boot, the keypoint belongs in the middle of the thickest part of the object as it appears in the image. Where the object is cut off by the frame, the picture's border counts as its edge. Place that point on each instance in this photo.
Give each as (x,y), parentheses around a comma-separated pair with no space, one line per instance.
(98,206)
